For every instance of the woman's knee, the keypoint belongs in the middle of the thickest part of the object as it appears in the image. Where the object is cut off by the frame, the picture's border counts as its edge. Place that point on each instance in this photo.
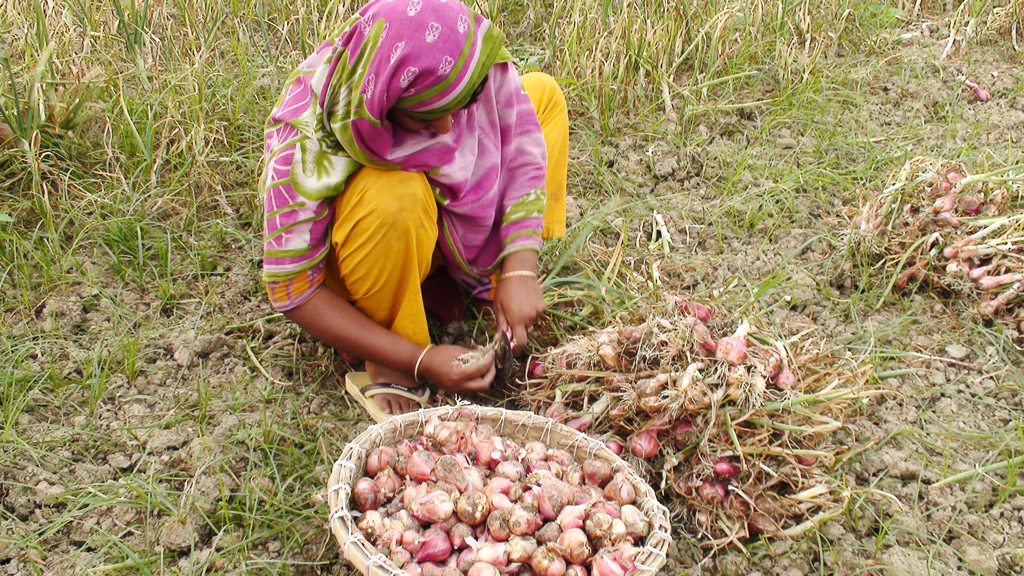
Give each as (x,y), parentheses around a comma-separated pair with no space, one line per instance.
(390,201)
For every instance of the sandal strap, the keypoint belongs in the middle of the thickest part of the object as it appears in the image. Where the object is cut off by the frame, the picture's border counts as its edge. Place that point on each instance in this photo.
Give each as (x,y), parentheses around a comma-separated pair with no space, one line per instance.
(418,394)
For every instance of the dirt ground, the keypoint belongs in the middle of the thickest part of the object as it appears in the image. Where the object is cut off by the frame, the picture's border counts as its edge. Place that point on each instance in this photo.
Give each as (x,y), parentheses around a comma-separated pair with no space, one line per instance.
(218,379)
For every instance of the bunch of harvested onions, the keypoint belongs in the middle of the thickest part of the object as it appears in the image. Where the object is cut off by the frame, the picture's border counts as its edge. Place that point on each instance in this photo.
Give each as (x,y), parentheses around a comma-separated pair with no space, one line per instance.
(939,227)
(708,402)
(460,499)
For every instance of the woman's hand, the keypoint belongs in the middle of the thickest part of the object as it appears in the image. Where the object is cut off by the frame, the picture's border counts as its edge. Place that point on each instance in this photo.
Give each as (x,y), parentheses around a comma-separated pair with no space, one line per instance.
(518,302)
(441,365)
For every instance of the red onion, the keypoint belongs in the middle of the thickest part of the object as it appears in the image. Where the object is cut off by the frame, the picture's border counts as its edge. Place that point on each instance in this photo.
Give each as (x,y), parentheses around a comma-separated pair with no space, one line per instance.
(389,482)
(420,465)
(760,523)
(980,94)
(945,203)
(694,310)
(987,283)
(472,507)
(546,561)
(611,562)
(573,475)
(785,379)
(554,496)
(495,553)
(465,559)
(482,569)
(804,460)
(431,569)
(549,533)
(683,433)
(459,533)
(620,489)
(615,446)
(644,444)
(520,548)
(511,469)
(448,468)
(475,478)
(435,546)
(733,349)
(636,523)
(576,570)
(557,412)
(497,525)
(411,540)
(575,546)
(712,491)
(598,525)
(451,569)
(536,371)
(432,507)
(371,523)
(703,342)
(413,569)
(559,456)
(608,356)
(380,458)
(581,423)
(366,495)
(497,491)
(522,521)
(572,517)
(726,469)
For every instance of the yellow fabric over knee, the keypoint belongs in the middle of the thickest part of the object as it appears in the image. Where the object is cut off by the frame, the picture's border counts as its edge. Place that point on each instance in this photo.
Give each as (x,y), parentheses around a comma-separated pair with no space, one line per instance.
(549,103)
(382,240)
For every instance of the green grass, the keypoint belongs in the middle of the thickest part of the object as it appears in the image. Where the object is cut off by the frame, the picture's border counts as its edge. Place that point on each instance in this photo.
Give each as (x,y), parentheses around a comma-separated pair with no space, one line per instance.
(144,374)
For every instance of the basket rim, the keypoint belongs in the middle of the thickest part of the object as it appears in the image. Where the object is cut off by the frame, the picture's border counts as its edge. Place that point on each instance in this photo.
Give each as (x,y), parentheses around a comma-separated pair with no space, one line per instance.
(350,466)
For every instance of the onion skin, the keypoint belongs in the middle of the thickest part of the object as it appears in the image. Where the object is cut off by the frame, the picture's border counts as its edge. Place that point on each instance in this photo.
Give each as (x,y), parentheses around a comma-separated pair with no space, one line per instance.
(420,466)
(572,517)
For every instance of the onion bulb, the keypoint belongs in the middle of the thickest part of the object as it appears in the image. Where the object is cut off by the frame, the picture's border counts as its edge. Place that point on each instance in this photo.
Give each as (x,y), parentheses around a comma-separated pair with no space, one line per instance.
(366,494)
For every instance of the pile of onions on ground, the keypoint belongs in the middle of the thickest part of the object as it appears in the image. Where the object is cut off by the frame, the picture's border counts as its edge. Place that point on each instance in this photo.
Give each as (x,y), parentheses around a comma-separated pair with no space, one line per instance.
(462,500)
(706,402)
(938,226)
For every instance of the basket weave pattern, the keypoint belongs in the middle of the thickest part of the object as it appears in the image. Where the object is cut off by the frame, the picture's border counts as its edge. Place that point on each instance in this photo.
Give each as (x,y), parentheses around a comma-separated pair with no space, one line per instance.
(519,426)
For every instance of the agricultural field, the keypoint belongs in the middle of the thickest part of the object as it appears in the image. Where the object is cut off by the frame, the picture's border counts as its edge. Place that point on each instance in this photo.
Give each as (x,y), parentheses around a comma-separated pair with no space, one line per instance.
(838,183)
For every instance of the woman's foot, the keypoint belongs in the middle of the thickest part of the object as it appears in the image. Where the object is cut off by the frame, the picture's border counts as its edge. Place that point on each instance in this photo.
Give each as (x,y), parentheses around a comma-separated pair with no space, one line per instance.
(392,403)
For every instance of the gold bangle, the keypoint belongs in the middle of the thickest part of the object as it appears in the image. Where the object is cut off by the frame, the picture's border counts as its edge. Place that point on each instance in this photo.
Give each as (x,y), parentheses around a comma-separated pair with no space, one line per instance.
(516,273)
(416,370)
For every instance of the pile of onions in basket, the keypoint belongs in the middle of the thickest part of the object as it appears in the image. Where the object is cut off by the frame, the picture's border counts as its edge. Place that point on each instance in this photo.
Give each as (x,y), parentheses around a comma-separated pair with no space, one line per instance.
(462,500)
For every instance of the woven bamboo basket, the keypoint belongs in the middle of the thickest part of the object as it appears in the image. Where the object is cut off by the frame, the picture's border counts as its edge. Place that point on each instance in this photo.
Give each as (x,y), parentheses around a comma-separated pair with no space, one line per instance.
(519,426)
